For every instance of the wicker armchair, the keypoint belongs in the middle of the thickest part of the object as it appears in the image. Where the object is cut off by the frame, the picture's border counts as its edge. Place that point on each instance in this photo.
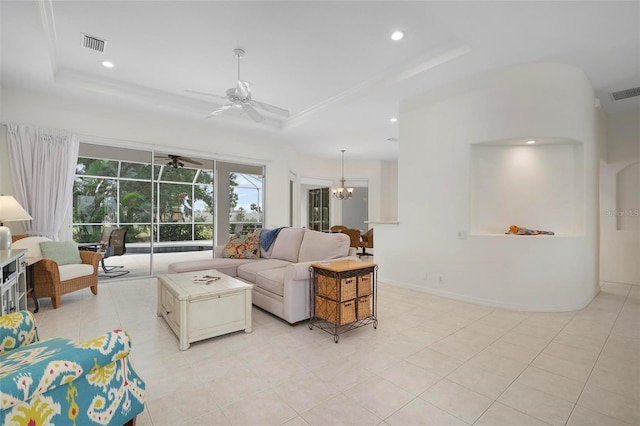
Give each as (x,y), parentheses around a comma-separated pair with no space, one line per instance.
(46,277)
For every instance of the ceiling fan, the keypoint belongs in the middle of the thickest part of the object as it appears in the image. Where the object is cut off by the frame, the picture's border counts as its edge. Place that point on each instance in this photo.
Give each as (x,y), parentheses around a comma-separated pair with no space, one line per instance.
(177,160)
(240,98)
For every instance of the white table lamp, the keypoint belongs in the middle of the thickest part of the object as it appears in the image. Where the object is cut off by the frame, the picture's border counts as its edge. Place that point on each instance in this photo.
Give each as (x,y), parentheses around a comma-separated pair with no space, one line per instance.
(10,210)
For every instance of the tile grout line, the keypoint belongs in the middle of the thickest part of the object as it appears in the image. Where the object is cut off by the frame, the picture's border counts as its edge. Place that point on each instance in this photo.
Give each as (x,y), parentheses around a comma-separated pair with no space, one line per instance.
(520,374)
(599,353)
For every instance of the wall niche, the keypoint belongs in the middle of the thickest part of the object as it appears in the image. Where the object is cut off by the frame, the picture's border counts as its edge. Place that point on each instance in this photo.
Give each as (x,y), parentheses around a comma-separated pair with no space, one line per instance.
(538,186)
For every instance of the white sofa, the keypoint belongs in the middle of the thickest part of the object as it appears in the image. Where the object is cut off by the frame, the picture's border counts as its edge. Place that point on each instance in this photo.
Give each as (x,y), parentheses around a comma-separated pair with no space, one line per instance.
(281,275)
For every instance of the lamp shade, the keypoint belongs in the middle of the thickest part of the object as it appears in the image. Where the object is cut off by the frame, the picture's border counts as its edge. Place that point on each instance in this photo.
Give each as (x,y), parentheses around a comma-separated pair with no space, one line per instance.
(10,211)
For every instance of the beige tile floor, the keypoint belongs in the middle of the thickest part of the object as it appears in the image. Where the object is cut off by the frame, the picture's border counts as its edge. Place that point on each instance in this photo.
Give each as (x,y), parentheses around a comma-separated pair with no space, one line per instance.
(431,361)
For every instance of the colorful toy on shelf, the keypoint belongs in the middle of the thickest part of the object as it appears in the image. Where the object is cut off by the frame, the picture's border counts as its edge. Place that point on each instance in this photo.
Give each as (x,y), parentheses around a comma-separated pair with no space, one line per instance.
(521,230)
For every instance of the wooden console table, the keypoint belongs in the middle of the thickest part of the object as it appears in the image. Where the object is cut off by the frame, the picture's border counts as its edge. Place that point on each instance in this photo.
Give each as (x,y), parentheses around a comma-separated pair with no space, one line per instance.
(343,296)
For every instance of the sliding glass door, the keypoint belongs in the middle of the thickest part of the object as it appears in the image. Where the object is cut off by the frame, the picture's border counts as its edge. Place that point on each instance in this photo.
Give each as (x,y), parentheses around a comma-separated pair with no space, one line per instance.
(166,202)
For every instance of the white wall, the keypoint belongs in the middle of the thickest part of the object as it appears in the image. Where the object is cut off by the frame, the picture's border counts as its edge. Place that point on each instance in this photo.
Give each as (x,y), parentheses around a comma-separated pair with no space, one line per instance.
(134,129)
(389,190)
(437,130)
(356,172)
(619,200)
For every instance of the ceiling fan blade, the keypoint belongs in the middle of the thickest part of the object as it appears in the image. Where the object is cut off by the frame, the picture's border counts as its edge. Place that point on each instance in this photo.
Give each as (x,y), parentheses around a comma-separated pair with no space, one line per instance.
(205,94)
(251,112)
(271,108)
(244,89)
(219,111)
(191,161)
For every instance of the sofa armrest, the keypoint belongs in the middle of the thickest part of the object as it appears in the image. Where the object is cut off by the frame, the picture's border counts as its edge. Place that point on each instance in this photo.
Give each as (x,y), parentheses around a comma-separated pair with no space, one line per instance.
(17,330)
(300,271)
(48,364)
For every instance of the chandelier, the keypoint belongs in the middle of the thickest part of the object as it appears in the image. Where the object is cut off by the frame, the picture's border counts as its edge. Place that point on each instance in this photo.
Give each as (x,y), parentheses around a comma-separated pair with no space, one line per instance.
(342,193)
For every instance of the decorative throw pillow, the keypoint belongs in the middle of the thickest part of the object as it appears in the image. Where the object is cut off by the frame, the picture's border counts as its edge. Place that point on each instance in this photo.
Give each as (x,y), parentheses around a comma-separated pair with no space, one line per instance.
(61,252)
(243,246)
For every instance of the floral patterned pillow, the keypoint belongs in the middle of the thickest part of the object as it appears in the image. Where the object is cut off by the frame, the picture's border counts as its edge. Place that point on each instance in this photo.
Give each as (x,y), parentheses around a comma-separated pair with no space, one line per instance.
(243,246)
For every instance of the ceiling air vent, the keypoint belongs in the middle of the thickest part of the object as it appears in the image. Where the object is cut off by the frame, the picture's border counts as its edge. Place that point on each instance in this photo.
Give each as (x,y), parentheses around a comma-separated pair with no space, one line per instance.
(93,43)
(624,94)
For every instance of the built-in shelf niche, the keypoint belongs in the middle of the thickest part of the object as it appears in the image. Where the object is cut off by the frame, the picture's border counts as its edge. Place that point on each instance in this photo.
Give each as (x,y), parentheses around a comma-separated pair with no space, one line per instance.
(538,186)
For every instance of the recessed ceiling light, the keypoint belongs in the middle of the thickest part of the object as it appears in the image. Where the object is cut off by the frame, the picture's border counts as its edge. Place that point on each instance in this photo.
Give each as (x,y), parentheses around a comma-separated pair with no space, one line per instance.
(530,142)
(393,119)
(107,64)
(397,36)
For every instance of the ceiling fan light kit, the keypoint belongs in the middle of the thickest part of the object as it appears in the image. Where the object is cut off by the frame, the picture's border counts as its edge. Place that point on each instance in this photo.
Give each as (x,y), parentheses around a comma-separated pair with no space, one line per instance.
(240,98)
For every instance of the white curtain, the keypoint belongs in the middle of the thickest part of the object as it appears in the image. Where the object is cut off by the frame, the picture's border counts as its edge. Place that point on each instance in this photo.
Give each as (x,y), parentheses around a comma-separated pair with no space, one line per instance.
(43,165)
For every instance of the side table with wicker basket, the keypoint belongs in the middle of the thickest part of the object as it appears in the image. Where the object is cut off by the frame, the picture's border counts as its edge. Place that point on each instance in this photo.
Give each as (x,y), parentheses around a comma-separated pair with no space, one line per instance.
(343,296)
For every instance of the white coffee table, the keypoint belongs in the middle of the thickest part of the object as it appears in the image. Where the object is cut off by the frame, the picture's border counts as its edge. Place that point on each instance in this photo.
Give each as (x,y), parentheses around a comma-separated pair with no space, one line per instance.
(198,310)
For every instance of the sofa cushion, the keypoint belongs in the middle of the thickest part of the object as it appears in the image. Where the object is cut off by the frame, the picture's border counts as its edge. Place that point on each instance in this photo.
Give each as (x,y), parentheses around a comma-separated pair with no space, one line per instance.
(61,252)
(248,270)
(243,246)
(321,246)
(271,280)
(266,254)
(287,245)
(71,271)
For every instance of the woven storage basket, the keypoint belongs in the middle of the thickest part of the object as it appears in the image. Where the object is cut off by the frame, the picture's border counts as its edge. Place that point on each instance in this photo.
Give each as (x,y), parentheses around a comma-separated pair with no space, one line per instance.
(337,289)
(364,284)
(364,307)
(338,313)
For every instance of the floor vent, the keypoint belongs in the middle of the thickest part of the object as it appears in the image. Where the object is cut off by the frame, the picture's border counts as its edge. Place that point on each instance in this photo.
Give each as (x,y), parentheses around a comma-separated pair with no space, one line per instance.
(624,94)
(93,43)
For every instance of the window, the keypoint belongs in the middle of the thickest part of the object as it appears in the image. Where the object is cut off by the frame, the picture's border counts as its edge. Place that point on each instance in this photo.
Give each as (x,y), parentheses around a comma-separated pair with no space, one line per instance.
(245,202)
(120,193)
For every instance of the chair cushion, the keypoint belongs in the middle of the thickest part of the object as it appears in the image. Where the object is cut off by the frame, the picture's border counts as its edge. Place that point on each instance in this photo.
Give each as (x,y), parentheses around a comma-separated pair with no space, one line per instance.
(61,252)
(321,246)
(71,271)
(271,280)
(287,245)
(243,246)
(31,244)
(248,270)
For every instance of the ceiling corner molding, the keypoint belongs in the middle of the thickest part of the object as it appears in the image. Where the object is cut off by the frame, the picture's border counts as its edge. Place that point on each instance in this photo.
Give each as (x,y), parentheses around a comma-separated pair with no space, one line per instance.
(49,25)
(449,51)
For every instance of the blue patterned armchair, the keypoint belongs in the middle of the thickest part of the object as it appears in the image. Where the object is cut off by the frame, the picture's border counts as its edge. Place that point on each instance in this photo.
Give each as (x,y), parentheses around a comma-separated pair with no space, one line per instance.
(65,382)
